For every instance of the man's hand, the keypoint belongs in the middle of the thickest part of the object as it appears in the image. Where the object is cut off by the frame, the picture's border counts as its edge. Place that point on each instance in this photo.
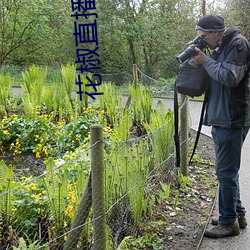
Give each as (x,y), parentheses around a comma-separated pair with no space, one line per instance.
(200,58)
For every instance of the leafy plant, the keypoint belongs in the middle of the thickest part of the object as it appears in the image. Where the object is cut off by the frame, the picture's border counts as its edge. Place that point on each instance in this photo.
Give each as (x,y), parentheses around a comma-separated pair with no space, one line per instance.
(147,241)
(113,109)
(22,245)
(6,184)
(30,208)
(68,74)
(164,191)
(33,86)
(5,90)
(141,104)
(126,173)
(184,181)
(176,199)
(48,97)
(56,187)
(161,126)
(43,137)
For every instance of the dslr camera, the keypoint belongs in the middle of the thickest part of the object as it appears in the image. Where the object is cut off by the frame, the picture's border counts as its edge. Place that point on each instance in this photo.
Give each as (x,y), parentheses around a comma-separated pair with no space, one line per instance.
(190,51)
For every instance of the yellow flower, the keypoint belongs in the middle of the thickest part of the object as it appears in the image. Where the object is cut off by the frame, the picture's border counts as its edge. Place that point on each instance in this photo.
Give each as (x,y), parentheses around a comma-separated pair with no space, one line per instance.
(37,196)
(16,152)
(73,199)
(31,186)
(6,132)
(69,211)
(45,151)
(38,155)
(26,178)
(14,209)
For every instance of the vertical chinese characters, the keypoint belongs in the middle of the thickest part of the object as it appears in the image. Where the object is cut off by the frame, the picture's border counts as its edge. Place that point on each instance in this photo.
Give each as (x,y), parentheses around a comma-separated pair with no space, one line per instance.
(86,33)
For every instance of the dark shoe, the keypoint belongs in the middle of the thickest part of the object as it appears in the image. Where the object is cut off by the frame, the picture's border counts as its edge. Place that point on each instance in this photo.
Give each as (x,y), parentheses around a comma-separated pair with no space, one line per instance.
(241,219)
(221,231)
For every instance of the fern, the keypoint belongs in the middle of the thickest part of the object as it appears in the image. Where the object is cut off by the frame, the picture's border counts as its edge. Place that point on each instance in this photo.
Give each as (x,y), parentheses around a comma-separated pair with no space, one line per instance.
(141,103)
(56,185)
(6,184)
(111,103)
(68,74)
(33,86)
(5,90)
(48,97)
(161,126)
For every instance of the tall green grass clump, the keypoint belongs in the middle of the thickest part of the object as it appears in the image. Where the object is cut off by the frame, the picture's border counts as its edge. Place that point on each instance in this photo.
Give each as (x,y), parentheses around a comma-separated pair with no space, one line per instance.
(141,106)
(68,75)
(161,130)
(111,103)
(5,90)
(33,86)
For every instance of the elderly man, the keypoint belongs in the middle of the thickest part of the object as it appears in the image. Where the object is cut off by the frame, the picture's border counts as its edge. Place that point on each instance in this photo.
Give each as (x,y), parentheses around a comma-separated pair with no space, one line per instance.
(228,112)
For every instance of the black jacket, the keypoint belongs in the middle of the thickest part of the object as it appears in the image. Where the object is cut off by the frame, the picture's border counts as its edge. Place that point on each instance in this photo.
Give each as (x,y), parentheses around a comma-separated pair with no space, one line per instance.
(229,90)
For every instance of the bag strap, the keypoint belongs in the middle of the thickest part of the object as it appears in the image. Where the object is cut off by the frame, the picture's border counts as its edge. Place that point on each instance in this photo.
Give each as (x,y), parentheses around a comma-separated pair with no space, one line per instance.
(199,127)
(176,126)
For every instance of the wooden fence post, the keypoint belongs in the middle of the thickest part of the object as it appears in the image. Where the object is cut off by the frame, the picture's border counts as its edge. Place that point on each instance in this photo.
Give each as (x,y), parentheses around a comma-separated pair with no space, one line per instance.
(135,74)
(98,195)
(135,82)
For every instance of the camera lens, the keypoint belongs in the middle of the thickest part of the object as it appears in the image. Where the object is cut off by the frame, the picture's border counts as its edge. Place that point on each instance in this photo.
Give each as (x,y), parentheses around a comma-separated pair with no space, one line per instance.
(187,53)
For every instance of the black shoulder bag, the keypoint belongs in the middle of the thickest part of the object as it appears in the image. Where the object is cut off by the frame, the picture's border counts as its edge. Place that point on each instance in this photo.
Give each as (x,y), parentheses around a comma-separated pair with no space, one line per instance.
(191,81)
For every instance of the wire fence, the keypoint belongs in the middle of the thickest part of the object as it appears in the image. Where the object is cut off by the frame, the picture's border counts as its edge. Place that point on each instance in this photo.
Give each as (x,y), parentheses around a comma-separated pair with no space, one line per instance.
(42,209)
(54,210)
(119,78)
(158,87)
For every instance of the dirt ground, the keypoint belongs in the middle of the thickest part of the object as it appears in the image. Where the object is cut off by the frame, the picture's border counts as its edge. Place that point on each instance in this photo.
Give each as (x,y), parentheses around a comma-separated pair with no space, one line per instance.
(187,222)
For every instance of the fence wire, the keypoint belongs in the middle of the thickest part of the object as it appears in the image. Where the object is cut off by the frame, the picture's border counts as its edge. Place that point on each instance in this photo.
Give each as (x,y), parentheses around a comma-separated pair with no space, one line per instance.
(119,78)
(158,87)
